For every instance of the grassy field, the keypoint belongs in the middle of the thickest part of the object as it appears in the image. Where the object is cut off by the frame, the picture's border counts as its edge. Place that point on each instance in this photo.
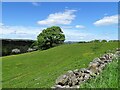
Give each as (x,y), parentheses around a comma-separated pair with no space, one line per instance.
(107,79)
(40,69)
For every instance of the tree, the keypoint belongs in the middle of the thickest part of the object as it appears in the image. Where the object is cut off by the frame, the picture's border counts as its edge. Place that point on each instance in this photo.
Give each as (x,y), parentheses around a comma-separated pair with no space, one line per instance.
(50,37)
(104,41)
(96,41)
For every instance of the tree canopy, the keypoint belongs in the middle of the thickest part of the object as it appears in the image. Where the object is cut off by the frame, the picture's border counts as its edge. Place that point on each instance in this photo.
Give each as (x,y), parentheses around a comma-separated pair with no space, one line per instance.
(50,37)
(104,41)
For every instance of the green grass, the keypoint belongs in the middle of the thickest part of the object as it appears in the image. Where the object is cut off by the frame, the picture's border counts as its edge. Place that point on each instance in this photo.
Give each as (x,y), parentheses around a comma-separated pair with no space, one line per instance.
(107,79)
(40,69)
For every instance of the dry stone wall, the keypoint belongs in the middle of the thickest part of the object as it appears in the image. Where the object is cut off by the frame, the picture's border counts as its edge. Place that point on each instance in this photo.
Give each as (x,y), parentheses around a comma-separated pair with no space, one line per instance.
(73,79)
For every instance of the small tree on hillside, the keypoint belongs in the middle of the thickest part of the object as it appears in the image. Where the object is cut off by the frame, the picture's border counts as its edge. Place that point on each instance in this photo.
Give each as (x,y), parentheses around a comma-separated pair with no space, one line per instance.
(96,41)
(104,41)
(50,37)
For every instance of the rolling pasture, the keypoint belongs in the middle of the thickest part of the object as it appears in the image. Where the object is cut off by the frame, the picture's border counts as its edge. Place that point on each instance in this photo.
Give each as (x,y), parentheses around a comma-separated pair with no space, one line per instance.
(39,69)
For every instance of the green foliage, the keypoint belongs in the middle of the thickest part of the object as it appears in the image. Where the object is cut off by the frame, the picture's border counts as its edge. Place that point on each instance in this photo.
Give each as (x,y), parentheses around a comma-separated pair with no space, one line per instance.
(82,42)
(107,79)
(9,44)
(114,40)
(34,44)
(50,37)
(104,41)
(39,69)
(96,41)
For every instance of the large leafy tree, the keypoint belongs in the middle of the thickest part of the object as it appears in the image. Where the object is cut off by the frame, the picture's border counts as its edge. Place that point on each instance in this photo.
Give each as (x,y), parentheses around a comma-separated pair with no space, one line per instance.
(50,37)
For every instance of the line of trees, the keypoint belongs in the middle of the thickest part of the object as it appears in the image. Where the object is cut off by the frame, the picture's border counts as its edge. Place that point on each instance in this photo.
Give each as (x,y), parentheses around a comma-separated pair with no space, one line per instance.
(10,46)
(97,41)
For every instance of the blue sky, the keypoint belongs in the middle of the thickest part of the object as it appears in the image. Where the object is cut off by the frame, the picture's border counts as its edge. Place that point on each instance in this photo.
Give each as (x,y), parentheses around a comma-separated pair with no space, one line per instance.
(78,20)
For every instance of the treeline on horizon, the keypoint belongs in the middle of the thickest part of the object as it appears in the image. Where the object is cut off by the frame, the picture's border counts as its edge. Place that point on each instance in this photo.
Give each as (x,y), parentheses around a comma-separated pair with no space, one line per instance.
(9,44)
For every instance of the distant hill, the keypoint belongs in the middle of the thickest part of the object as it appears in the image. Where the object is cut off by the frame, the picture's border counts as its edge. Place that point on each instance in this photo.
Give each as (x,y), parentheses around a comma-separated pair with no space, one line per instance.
(9,44)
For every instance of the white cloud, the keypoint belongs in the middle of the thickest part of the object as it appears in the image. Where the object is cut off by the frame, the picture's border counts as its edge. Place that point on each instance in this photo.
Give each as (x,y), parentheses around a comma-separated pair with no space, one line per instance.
(22,32)
(67,27)
(80,26)
(19,32)
(76,35)
(1,24)
(71,34)
(35,4)
(108,20)
(60,18)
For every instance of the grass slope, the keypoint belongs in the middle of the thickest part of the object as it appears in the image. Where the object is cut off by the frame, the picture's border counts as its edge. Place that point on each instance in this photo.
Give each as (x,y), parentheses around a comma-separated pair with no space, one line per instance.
(41,68)
(107,79)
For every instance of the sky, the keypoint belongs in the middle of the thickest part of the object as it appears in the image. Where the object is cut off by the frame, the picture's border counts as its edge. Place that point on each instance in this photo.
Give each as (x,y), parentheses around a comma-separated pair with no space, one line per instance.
(80,21)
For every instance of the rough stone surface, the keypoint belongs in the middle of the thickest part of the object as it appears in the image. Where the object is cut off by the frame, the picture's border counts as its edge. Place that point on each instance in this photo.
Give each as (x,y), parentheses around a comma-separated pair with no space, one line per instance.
(62,80)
